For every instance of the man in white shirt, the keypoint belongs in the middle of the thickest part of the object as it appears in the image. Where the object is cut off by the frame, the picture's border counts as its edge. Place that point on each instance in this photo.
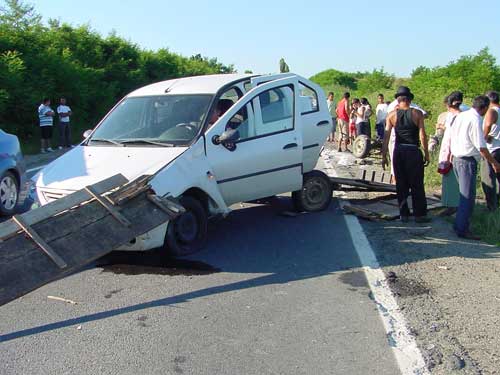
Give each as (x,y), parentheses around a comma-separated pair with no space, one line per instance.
(332,108)
(467,147)
(45,116)
(381,115)
(64,113)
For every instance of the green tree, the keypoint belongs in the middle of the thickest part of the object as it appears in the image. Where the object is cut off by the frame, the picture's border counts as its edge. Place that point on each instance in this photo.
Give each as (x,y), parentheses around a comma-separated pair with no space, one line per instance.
(18,14)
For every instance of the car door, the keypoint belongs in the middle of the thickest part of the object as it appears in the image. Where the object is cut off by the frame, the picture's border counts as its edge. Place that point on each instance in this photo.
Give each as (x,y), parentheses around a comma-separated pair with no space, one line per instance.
(267,157)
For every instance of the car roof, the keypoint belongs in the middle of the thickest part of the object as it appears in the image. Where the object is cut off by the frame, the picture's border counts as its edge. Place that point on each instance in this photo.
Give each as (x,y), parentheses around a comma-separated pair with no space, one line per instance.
(206,84)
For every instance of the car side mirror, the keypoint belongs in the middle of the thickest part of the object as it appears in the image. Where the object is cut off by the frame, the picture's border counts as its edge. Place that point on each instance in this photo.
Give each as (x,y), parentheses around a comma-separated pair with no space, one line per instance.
(87,133)
(230,136)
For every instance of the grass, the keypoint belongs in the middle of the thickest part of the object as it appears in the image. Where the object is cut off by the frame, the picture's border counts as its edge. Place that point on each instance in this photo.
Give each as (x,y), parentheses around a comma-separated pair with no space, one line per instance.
(486,224)
(31,145)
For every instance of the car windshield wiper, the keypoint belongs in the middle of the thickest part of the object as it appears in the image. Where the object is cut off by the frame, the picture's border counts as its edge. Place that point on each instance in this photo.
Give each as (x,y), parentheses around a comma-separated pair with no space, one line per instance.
(102,140)
(146,141)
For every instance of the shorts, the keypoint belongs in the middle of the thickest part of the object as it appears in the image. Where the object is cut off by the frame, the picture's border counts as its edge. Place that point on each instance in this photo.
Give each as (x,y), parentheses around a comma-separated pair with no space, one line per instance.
(46,132)
(343,129)
(363,128)
(334,124)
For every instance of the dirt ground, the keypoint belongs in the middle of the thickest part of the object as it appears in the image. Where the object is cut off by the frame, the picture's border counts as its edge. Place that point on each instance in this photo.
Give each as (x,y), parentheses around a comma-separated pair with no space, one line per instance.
(446,287)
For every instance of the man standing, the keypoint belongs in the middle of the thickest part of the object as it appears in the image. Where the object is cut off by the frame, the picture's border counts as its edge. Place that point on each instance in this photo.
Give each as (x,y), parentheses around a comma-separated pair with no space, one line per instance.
(490,180)
(45,115)
(343,111)
(467,147)
(64,113)
(332,108)
(381,115)
(408,163)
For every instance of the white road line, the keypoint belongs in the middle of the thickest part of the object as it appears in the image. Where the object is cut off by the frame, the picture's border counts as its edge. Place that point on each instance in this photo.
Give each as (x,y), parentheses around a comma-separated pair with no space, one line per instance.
(408,356)
(35,169)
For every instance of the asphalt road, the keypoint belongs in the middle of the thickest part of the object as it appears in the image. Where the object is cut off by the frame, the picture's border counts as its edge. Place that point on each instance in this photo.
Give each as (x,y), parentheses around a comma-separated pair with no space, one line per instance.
(270,294)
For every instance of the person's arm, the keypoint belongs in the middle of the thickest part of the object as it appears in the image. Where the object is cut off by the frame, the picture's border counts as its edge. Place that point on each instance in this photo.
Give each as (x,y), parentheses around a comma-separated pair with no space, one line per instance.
(477,137)
(490,118)
(389,124)
(490,159)
(347,106)
(423,136)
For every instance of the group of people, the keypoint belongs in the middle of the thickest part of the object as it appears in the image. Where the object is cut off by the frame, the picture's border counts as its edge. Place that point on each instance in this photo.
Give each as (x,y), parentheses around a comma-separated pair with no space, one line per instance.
(46,120)
(352,118)
(470,141)
(469,138)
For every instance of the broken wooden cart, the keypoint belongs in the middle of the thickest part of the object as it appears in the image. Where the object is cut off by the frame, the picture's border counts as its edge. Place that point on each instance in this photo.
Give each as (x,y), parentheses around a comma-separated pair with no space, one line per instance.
(61,237)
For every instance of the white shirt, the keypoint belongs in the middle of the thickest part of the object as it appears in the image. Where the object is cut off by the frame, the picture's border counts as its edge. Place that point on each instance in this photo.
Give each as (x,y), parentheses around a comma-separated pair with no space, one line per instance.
(395,103)
(332,107)
(467,134)
(45,120)
(63,109)
(381,112)
(495,133)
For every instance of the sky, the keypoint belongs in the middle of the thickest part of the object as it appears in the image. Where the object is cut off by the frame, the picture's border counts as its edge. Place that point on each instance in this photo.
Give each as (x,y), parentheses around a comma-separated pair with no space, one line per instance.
(311,35)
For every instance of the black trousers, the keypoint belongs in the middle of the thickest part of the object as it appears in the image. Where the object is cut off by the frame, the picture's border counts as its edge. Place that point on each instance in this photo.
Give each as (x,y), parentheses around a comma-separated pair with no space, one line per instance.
(408,164)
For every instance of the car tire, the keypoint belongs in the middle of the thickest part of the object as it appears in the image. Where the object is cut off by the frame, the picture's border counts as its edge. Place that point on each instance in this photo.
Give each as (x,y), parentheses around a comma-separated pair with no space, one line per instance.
(361,147)
(316,193)
(187,234)
(9,193)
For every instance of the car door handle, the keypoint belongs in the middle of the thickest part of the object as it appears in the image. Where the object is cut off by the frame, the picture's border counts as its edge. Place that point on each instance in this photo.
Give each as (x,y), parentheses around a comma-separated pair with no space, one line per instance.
(323,123)
(290,145)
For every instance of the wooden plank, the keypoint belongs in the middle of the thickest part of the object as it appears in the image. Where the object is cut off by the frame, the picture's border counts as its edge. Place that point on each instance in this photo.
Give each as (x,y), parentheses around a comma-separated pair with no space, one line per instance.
(112,210)
(80,236)
(166,205)
(367,185)
(131,190)
(8,228)
(39,241)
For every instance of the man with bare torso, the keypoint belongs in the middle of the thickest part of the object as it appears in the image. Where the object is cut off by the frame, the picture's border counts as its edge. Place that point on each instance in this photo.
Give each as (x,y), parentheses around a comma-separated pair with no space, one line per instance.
(408,161)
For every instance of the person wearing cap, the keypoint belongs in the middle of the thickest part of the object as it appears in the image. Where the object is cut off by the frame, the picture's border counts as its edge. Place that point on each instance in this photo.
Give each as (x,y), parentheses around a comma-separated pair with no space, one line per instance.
(490,180)
(408,162)
(450,194)
(467,147)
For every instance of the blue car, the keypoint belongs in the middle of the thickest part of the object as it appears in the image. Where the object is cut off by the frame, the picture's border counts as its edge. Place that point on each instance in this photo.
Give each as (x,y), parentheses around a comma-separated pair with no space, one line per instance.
(12,173)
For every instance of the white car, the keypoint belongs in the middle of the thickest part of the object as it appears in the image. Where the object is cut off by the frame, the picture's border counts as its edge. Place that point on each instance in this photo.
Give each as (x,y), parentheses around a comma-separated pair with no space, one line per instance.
(267,142)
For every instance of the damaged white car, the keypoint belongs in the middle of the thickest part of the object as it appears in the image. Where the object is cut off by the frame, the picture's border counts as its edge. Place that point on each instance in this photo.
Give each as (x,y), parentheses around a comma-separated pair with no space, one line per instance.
(210,141)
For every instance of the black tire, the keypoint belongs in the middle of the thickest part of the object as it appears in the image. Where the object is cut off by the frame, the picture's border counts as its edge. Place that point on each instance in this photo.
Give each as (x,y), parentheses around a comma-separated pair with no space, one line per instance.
(361,147)
(316,193)
(9,193)
(187,234)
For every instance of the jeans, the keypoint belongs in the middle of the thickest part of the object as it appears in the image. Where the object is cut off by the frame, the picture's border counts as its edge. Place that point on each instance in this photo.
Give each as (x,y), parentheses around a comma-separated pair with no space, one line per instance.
(363,128)
(466,171)
(380,128)
(64,134)
(408,166)
(490,181)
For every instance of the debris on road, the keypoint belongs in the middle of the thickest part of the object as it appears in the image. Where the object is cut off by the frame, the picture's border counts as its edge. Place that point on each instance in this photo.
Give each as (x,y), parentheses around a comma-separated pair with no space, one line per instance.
(62,300)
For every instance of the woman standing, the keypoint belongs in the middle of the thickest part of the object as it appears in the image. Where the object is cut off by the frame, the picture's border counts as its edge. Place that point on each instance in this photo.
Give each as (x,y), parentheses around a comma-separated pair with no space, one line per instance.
(450,194)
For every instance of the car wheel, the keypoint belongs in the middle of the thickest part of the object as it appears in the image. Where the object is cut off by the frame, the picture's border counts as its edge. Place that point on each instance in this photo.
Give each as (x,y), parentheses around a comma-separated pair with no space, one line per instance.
(187,234)
(361,147)
(9,193)
(316,193)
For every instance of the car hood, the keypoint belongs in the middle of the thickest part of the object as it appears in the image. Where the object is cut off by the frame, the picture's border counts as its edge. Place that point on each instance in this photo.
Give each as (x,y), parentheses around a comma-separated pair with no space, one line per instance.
(87,165)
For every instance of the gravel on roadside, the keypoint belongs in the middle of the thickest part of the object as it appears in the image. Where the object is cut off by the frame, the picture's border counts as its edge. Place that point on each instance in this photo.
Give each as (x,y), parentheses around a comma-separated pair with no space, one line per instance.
(446,287)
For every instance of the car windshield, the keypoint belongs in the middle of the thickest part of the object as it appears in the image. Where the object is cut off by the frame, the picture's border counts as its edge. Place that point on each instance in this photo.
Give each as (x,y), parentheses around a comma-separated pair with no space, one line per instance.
(153,121)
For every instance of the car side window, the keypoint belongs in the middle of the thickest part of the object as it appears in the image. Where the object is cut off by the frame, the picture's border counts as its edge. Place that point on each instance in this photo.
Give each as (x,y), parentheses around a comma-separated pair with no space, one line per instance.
(310,99)
(276,111)
(240,122)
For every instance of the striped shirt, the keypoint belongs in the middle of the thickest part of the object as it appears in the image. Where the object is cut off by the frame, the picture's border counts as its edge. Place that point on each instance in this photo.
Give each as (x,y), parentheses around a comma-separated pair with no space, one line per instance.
(45,120)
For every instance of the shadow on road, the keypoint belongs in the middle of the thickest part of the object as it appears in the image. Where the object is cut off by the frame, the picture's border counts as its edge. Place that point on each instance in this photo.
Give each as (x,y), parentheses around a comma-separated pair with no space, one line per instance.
(255,239)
